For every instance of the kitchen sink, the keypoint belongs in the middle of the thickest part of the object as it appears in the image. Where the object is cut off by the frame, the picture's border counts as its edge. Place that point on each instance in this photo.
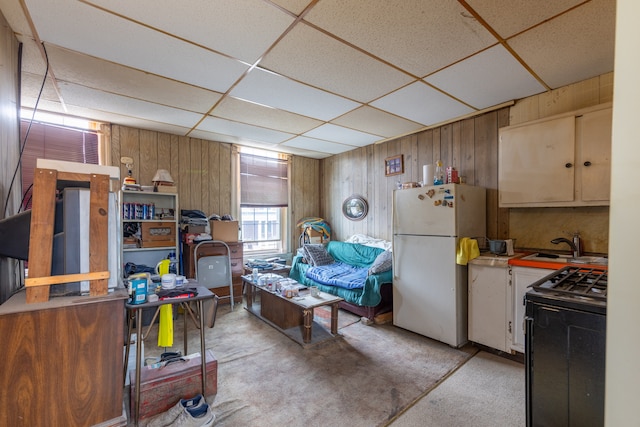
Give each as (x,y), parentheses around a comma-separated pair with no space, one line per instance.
(542,258)
(597,260)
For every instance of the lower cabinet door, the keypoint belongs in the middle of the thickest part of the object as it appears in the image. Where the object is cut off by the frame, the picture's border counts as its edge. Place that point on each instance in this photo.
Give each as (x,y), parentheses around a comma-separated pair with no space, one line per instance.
(489,306)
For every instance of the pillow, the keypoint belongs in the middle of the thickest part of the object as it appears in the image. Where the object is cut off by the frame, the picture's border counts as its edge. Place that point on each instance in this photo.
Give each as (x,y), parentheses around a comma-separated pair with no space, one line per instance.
(382,263)
(317,255)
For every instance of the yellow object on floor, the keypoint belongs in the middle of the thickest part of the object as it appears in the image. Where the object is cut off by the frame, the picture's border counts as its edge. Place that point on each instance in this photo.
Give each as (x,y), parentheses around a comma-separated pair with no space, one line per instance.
(467,250)
(165,331)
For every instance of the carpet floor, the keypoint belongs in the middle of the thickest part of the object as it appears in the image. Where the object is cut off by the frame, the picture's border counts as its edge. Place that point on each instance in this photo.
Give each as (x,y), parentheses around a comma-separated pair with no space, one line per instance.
(365,377)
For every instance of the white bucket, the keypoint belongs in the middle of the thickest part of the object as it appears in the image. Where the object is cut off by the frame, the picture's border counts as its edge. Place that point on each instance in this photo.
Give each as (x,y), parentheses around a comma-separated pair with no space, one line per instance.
(168,281)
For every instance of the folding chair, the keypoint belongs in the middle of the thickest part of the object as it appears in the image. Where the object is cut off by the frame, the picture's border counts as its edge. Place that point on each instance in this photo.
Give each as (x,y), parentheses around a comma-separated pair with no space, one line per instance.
(214,270)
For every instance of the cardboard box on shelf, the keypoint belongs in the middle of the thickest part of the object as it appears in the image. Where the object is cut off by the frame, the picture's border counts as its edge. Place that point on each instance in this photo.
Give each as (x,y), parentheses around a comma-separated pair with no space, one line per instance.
(157,234)
(195,229)
(167,189)
(226,231)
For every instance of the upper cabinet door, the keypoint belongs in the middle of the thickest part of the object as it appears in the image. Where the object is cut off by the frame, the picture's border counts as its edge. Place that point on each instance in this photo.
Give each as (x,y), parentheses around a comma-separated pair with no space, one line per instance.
(593,132)
(536,163)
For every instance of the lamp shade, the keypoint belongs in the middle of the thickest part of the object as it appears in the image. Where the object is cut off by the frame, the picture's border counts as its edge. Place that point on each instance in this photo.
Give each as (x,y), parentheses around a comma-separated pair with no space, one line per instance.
(162,175)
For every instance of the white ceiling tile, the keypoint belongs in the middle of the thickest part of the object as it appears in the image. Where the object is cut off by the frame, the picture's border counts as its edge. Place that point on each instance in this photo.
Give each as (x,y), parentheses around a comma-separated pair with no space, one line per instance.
(343,135)
(573,47)
(214,136)
(486,79)
(422,104)
(243,111)
(32,60)
(317,145)
(102,101)
(31,85)
(301,152)
(108,117)
(332,65)
(50,106)
(377,122)
(106,76)
(294,6)
(509,17)
(162,65)
(131,44)
(13,13)
(420,36)
(242,29)
(276,91)
(243,131)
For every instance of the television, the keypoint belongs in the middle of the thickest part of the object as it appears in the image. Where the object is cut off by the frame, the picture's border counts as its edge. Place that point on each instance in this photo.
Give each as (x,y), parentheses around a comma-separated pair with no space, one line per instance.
(71,233)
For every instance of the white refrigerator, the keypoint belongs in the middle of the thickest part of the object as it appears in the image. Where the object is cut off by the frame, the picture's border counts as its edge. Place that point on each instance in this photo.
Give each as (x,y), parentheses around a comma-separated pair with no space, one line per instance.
(429,287)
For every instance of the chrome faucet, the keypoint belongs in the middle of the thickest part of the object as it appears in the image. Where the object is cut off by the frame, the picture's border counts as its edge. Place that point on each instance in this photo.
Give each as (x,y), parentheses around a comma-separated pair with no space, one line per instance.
(575,245)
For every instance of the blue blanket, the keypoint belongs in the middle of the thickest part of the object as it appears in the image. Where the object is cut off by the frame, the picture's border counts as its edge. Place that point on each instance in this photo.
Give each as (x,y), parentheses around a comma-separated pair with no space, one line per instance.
(339,274)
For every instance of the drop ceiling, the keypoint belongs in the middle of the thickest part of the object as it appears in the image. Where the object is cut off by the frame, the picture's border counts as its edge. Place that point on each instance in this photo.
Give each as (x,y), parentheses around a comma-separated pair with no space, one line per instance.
(311,78)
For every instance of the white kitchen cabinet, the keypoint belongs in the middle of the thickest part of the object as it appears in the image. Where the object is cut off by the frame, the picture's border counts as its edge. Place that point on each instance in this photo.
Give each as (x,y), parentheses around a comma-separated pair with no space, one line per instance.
(490,304)
(559,161)
(593,155)
(522,277)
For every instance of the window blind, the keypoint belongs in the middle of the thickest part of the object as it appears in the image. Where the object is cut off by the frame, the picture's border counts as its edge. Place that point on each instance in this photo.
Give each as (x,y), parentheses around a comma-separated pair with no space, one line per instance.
(263,181)
(47,141)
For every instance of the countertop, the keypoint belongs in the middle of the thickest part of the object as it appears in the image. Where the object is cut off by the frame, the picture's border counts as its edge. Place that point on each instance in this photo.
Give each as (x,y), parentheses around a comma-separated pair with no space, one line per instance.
(492,260)
(551,265)
(489,259)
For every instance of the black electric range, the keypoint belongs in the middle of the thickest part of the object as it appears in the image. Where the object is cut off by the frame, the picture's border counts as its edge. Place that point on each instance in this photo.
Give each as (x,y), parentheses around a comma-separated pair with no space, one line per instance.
(565,327)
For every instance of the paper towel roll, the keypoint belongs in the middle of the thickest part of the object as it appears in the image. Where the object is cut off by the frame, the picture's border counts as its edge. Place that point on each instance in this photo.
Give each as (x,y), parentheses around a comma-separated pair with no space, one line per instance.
(427,174)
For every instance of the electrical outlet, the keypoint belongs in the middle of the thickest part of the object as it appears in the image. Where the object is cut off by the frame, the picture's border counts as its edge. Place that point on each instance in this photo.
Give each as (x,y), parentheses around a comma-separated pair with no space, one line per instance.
(126,160)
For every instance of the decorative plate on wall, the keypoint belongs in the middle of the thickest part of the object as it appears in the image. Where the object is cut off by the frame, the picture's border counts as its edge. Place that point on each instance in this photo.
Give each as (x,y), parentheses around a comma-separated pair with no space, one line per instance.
(355,208)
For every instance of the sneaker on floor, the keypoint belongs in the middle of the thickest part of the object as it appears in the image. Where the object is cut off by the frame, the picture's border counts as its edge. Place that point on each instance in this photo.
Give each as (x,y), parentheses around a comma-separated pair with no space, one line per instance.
(167,418)
(201,416)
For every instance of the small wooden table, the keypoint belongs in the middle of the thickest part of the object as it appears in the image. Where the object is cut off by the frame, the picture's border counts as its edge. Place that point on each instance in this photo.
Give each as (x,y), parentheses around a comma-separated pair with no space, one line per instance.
(135,314)
(293,316)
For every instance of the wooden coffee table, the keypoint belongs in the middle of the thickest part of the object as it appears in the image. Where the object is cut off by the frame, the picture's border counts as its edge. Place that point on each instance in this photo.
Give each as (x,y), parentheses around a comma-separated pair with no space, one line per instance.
(292,316)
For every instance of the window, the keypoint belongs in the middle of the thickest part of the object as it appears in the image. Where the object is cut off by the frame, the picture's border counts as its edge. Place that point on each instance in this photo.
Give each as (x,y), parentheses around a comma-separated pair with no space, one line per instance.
(264,199)
(262,229)
(55,142)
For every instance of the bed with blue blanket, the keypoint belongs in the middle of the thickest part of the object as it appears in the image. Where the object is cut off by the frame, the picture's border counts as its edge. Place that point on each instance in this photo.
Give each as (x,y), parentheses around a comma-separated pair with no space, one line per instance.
(360,274)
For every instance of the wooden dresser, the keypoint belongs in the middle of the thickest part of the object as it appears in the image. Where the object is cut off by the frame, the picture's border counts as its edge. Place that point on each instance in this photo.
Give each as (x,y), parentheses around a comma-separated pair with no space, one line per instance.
(62,361)
(210,249)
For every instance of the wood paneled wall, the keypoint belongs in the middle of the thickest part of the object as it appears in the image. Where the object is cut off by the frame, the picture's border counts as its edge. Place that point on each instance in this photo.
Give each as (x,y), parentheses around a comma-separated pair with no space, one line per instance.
(471,146)
(305,194)
(202,171)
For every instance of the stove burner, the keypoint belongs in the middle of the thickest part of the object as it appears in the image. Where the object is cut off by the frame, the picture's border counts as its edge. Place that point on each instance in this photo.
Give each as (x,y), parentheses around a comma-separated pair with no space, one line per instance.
(588,283)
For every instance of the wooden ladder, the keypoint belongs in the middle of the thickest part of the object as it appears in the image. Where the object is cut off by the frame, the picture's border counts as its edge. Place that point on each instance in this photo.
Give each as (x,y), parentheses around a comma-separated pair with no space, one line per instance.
(45,182)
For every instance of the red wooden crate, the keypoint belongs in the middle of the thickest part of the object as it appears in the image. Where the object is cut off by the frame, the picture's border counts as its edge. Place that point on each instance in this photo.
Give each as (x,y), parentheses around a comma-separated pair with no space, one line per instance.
(163,387)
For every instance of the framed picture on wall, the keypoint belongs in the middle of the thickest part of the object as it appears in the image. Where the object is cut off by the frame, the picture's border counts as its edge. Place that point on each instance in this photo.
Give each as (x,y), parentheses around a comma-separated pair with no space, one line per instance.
(394,165)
